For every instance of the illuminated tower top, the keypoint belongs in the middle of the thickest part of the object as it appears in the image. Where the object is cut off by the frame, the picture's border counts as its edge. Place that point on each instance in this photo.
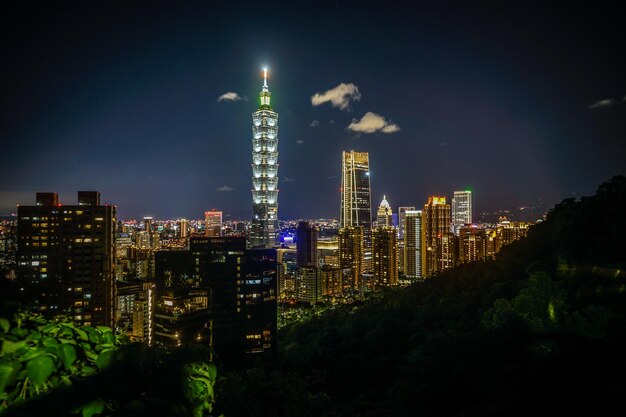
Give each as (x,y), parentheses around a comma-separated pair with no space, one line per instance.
(265,93)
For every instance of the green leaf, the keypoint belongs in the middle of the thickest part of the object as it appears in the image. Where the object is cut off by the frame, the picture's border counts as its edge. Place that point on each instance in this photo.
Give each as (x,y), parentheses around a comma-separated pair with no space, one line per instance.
(5,325)
(40,368)
(104,359)
(9,347)
(19,332)
(104,329)
(67,353)
(93,408)
(6,375)
(82,335)
(50,341)
(87,371)
(30,354)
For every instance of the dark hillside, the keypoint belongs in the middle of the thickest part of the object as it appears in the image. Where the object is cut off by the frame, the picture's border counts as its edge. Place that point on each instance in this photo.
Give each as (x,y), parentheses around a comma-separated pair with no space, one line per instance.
(539,330)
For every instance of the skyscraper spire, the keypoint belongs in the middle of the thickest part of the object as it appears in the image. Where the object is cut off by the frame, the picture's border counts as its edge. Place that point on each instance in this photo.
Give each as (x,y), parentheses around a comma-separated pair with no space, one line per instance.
(265,92)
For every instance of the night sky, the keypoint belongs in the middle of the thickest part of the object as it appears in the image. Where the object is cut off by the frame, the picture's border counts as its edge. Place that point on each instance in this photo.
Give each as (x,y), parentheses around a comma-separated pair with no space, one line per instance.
(516,102)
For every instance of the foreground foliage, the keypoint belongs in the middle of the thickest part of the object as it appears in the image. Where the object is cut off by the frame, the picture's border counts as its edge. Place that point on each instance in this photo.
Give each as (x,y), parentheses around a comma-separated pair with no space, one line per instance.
(54,367)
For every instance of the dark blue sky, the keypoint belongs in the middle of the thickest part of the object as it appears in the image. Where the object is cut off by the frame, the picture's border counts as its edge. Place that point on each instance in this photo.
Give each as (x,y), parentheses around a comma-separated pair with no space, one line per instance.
(122,98)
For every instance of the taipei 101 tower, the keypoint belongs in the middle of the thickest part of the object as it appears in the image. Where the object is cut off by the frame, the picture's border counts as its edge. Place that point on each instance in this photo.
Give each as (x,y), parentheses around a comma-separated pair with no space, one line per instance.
(264,172)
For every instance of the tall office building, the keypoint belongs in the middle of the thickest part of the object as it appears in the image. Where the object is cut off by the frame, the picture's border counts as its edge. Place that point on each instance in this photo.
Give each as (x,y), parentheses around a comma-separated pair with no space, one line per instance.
(401,216)
(384,216)
(401,219)
(385,255)
(356,199)
(264,172)
(436,222)
(66,257)
(461,209)
(413,244)
(306,244)
(242,292)
(213,223)
(351,255)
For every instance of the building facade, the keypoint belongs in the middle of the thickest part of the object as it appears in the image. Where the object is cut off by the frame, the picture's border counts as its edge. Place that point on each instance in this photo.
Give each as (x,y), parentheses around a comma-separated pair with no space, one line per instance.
(413,244)
(385,256)
(351,255)
(356,199)
(436,222)
(66,257)
(306,244)
(213,223)
(384,216)
(461,209)
(264,172)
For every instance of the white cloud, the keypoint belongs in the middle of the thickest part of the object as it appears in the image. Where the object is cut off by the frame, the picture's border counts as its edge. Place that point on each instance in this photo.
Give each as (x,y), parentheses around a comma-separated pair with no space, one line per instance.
(602,104)
(332,122)
(314,123)
(372,123)
(299,141)
(340,96)
(230,96)
(287,179)
(224,188)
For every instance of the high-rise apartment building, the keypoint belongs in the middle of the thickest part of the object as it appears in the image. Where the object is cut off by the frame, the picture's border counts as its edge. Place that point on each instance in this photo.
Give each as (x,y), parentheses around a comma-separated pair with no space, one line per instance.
(308,284)
(384,216)
(461,209)
(472,244)
(213,223)
(508,232)
(264,172)
(356,199)
(413,244)
(351,254)
(385,256)
(436,221)
(183,228)
(306,244)
(66,257)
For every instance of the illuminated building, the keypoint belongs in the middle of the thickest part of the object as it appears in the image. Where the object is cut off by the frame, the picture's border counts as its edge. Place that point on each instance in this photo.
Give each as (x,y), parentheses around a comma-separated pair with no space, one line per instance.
(472,244)
(401,220)
(385,255)
(491,243)
(183,228)
(66,257)
(384,216)
(242,291)
(213,223)
(508,232)
(461,209)
(264,172)
(436,221)
(447,251)
(135,309)
(286,259)
(258,296)
(351,254)
(331,279)
(328,252)
(413,244)
(306,244)
(181,317)
(356,201)
(308,284)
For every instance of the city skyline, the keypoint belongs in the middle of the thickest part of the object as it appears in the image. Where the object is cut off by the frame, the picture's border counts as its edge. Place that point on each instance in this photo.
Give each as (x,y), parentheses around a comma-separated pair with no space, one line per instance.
(161,113)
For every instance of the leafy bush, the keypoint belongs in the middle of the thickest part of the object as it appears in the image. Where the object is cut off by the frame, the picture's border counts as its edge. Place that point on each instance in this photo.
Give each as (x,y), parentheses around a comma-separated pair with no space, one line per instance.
(38,355)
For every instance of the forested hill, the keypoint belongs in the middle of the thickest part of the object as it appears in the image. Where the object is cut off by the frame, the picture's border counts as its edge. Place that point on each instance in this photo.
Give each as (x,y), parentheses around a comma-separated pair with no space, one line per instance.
(540,330)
